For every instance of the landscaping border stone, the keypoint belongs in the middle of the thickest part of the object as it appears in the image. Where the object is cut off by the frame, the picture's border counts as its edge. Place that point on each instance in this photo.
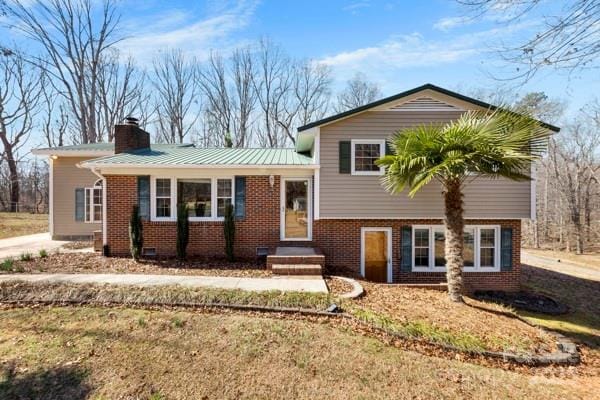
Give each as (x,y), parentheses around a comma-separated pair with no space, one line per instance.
(357,289)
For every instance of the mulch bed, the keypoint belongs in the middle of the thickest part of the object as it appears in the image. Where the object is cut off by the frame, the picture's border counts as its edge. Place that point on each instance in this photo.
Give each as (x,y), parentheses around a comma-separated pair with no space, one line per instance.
(524,301)
(484,320)
(337,286)
(95,263)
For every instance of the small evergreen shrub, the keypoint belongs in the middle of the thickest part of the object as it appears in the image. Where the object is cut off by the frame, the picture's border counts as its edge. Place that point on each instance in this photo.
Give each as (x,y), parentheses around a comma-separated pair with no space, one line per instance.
(229,232)
(136,236)
(183,231)
(43,253)
(26,256)
(7,264)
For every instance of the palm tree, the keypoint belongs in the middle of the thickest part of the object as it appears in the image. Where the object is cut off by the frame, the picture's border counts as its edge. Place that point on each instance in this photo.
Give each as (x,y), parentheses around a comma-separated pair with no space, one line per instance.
(478,144)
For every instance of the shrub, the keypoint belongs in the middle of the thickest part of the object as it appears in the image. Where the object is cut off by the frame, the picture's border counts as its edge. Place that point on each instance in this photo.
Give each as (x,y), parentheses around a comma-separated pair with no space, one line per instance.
(7,264)
(229,232)
(183,231)
(43,253)
(136,235)
(26,256)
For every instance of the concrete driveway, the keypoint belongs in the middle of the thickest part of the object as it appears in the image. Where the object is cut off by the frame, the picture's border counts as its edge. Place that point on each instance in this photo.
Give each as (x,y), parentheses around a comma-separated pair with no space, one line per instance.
(15,246)
(562,266)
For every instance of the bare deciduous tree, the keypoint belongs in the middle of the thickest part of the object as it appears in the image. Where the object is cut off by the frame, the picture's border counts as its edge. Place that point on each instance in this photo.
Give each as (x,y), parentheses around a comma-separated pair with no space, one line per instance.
(358,92)
(20,91)
(73,37)
(120,93)
(177,95)
(567,39)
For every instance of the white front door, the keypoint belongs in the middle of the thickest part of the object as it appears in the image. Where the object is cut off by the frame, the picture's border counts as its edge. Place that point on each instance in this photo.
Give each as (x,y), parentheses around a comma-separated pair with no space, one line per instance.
(296,209)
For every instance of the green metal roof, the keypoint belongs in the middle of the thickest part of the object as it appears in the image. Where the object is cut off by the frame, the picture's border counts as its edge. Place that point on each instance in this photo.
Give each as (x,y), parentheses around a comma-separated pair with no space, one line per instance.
(100,147)
(192,156)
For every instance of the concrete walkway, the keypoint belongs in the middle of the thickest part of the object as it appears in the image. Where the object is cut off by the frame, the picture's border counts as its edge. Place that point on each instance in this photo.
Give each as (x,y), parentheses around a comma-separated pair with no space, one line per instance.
(563,267)
(15,246)
(285,284)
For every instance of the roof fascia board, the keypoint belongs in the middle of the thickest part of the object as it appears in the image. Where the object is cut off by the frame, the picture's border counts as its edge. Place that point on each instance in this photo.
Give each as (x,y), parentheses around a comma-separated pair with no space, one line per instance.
(71,153)
(86,164)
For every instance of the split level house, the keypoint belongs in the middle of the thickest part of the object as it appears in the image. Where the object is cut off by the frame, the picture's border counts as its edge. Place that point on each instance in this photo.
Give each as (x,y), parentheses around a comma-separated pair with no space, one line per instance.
(323,194)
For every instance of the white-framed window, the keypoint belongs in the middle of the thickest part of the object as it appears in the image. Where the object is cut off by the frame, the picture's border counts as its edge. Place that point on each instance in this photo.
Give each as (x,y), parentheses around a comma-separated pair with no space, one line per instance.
(481,248)
(93,203)
(163,204)
(364,153)
(206,197)
(224,195)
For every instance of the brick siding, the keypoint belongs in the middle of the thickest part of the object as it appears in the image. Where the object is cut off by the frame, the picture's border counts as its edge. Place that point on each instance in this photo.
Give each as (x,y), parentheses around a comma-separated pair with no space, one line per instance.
(339,240)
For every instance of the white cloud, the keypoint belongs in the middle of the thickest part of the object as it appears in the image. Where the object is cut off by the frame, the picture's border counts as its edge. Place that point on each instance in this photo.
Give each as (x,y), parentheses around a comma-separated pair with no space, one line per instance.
(383,61)
(354,7)
(178,29)
(448,23)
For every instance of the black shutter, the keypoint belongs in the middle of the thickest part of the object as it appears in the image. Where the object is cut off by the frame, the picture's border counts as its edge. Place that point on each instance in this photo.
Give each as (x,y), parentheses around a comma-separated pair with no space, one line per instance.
(388,149)
(506,249)
(240,196)
(143,187)
(406,249)
(344,155)
(80,204)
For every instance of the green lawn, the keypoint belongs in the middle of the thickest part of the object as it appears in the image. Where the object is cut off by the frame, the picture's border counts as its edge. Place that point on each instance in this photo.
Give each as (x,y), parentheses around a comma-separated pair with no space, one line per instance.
(19,224)
(102,353)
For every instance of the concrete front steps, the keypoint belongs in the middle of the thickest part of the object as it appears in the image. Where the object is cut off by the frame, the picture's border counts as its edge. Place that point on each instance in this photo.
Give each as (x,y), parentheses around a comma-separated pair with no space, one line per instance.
(296,269)
(296,261)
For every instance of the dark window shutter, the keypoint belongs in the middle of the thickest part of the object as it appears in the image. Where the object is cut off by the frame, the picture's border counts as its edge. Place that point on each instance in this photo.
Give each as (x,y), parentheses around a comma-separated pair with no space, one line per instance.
(388,149)
(240,196)
(406,249)
(80,204)
(345,154)
(143,187)
(506,249)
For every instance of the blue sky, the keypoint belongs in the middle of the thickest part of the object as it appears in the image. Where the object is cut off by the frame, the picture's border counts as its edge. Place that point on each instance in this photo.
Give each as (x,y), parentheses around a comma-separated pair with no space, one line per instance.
(398,44)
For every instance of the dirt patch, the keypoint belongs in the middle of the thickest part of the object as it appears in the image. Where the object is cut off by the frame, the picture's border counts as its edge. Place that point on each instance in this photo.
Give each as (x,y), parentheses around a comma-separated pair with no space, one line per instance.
(338,287)
(95,263)
(524,301)
(432,315)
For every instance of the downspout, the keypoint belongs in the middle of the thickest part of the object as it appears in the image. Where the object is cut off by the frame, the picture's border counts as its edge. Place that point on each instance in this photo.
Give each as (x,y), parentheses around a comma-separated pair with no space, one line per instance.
(104,190)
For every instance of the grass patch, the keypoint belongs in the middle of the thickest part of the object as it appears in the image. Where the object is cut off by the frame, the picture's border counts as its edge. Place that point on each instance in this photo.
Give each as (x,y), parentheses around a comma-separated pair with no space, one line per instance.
(26,256)
(422,330)
(43,253)
(19,224)
(128,295)
(107,355)
(7,264)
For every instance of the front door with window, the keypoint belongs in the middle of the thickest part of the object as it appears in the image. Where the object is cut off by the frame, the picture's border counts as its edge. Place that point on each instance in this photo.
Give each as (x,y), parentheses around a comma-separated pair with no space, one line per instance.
(376,254)
(295,209)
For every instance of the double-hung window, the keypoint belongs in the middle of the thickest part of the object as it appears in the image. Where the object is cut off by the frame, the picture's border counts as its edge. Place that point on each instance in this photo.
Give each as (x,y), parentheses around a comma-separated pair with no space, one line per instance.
(224,195)
(163,201)
(481,248)
(364,153)
(93,203)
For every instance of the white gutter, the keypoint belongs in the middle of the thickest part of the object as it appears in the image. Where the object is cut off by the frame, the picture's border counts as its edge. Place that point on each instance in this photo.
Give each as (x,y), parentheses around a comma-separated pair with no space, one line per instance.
(93,165)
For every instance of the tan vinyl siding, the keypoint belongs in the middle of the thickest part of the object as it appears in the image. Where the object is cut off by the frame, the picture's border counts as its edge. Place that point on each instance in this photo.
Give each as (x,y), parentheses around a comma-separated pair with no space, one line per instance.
(67,177)
(351,196)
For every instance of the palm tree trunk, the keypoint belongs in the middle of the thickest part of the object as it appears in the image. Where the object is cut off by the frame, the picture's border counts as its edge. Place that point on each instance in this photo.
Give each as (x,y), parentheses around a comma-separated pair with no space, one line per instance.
(454,223)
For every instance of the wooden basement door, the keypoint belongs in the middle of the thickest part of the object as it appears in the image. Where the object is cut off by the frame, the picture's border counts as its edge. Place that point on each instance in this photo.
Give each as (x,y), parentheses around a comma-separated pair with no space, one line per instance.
(376,253)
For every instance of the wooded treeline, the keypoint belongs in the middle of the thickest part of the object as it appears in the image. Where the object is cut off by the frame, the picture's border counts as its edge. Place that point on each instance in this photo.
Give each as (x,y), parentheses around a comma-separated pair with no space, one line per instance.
(77,85)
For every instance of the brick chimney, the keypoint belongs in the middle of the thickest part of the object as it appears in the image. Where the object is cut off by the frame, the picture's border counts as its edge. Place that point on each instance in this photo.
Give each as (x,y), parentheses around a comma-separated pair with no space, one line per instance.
(129,136)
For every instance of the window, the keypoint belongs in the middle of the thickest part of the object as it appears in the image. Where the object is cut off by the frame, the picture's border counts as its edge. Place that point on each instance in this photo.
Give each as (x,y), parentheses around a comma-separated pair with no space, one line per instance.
(421,247)
(224,195)
(205,198)
(196,194)
(481,246)
(487,247)
(93,203)
(163,198)
(364,155)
